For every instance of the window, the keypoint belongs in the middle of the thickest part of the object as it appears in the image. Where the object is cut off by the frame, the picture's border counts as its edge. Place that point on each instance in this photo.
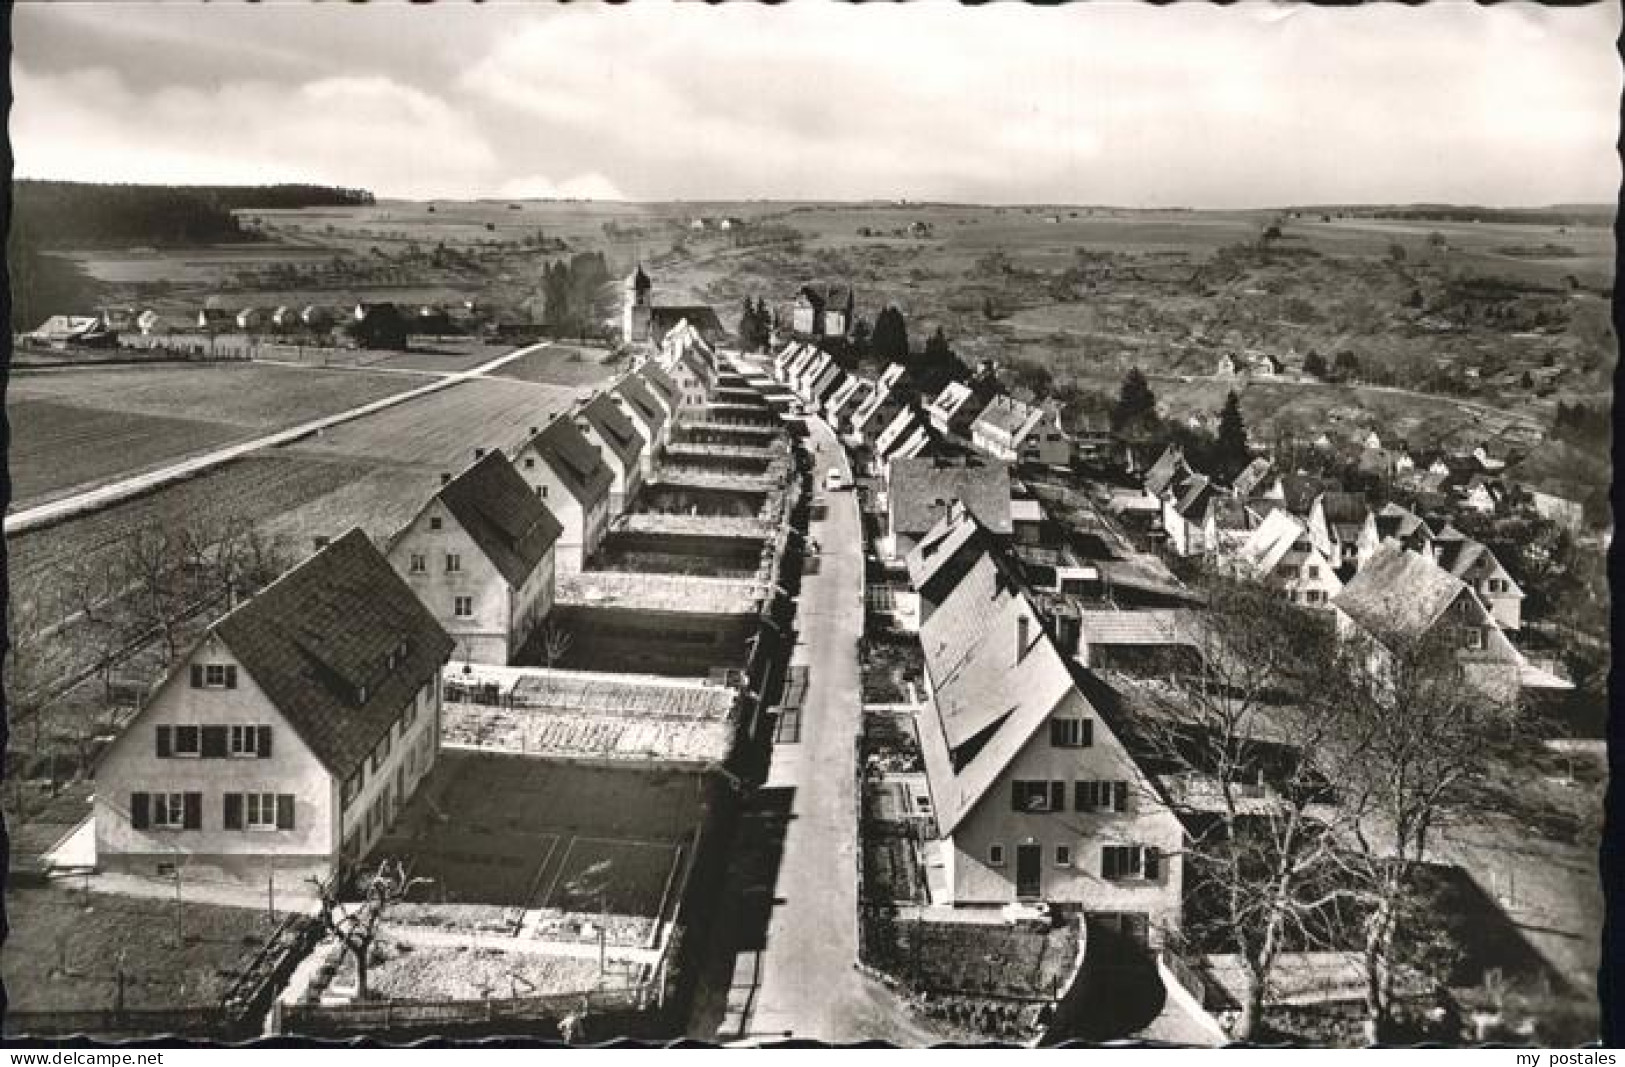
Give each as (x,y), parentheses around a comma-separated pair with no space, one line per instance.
(435,523)
(409,714)
(995,855)
(1038,796)
(187,741)
(1125,862)
(352,786)
(530,463)
(214,676)
(454,563)
(542,489)
(462,606)
(169,811)
(1311,570)
(1063,855)
(419,563)
(1315,596)
(1475,638)
(1071,733)
(260,811)
(250,742)
(380,753)
(1100,796)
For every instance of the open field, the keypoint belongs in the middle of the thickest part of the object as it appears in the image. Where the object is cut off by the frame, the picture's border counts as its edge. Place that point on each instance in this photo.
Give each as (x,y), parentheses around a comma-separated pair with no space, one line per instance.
(444,428)
(65,949)
(56,447)
(75,427)
(568,365)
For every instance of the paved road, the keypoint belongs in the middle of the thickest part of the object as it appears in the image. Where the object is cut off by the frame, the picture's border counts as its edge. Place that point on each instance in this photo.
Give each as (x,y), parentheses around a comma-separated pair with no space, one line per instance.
(795,865)
(105,495)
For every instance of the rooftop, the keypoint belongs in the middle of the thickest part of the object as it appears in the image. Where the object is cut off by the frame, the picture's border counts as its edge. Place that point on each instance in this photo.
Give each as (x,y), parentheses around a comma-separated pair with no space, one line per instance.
(509,523)
(339,645)
(922,488)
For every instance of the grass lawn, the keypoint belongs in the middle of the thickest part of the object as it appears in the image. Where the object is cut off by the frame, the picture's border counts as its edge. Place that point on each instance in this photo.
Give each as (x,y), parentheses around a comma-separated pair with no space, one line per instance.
(62,955)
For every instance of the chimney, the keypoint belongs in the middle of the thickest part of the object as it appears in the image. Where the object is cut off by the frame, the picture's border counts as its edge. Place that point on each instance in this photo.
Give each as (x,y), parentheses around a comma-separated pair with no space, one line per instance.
(1022,625)
(445,479)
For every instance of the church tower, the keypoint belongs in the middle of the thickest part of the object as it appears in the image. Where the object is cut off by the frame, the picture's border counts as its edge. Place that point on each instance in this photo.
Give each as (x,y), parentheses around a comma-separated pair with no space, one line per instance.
(635,314)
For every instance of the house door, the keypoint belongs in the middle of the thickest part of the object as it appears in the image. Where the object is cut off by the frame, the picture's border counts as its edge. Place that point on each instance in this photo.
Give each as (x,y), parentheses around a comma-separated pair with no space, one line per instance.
(1029,868)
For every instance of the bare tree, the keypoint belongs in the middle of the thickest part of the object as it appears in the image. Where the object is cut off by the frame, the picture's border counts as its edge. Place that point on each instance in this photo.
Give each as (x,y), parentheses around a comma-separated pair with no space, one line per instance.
(1417,734)
(556,642)
(1235,734)
(355,925)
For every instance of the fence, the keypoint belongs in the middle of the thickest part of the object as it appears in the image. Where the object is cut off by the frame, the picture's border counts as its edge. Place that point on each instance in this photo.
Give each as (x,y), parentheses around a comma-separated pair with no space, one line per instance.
(194,1022)
(414,1015)
(250,997)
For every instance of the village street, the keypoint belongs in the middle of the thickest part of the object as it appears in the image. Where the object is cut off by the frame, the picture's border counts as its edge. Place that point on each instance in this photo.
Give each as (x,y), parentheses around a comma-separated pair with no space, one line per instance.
(791,900)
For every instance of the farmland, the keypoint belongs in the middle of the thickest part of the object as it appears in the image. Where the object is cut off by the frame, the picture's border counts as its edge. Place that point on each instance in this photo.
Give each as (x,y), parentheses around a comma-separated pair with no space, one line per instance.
(72,428)
(560,365)
(374,472)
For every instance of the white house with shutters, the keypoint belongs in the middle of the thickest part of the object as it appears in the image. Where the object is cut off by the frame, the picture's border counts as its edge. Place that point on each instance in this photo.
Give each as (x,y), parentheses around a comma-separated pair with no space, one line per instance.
(285,741)
(1036,798)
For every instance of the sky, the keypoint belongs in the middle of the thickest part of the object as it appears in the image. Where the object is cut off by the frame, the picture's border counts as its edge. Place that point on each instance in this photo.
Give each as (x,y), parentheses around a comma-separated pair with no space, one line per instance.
(1116,103)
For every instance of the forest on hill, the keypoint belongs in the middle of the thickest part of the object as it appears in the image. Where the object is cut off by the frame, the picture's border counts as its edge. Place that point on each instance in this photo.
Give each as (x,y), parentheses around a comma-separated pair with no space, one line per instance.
(61,215)
(50,216)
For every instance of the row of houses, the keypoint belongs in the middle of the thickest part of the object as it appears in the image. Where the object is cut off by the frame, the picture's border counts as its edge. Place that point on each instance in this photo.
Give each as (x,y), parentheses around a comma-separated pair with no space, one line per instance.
(888,416)
(1324,548)
(302,721)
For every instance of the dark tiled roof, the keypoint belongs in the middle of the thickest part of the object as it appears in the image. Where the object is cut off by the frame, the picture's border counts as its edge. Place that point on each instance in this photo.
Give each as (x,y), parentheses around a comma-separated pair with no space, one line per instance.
(921,489)
(615,428)
(699,316)
(505,518)
(1341,508)
(576,461)
(659,382)
(635,391)
(320,638)
(1169,467)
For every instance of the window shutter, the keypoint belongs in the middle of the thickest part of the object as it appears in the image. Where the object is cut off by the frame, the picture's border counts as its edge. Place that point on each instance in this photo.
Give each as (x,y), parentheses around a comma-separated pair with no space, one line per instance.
(1055,738)
(214,742)
(1119,796)
(231,677)
(163,739)
(1078,797)
(1108,866)
(140,811)
(1153,863)
(197,676)
(1088,732)
(1057,796)
(192,812)
(284,811)
(264,740)
(233,815)
(1016,797)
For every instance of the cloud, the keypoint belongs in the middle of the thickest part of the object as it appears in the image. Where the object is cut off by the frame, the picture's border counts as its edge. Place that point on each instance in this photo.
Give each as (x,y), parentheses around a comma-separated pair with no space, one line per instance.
(367,131)
(541,187)
(1106,103)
